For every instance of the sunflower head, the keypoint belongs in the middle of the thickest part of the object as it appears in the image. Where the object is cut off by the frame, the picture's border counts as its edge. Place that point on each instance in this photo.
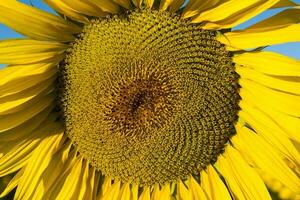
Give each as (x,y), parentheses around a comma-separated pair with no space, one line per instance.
(145,98)
(148,99)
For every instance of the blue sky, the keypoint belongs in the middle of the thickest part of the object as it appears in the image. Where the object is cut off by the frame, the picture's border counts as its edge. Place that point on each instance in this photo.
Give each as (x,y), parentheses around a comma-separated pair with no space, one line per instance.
(290,49)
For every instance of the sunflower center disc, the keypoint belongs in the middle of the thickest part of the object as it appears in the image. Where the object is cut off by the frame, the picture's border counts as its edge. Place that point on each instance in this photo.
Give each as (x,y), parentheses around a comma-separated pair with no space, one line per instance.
(148,97)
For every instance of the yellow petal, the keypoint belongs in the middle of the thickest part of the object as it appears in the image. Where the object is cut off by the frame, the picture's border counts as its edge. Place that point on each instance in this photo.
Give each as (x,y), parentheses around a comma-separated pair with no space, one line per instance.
(165,193)
(25,77)
(12,184)
(17,152)
(269,81)
(196,190)
(82,185)
(145,194)
(64,9)
(155,192)
(17,156)
(124,3)
(91,185)
(69,188)
(241,16)
(38,163)
(260,61)
(17,102)
(13,120)
(26,128)
(85,7)
(195,7)
(137,3)
(265,157)
(164,4)
(113,192)
(35,23)
(125,193)
(282,19)
(149,3)
(213,185)
(134,191)
(241,177)
(280,101)
(183,191)
(252,38)
(51,181)
(25,51)
(224,10)
(205,184)
(105,186)
(289,124)
(106,5)
(175,5)
(267,129)
(284,3)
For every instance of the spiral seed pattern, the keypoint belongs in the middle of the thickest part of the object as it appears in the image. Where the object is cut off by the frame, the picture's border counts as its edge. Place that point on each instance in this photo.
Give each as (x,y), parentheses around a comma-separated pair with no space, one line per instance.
(148,97)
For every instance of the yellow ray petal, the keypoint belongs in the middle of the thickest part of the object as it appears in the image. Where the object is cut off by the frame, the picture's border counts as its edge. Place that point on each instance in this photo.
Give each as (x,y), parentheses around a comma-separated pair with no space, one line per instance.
(269,81)
(183,191)
(125,193)
(266,128)
(205,184)
(113,192)
(55,174)
(252,38)
(149,3)
(195,7)
(11,92)
(165,192)
(68,185)
(26,128)
(64,9)
(164,4)
(105,186)
(91,185)
(265,157)
(82,184)
(17,102)
(39,162)
(124,3)
(137,3)
(12,184)
(25,51)
(260,61)
(283,102)
(289,124)
(241,177)
(224,10)
(13,120)
(155,192)
(241,15)
(17,153)
(10,76)
(196,190)
(134,191)
(175,5)
(17,157)
(106,5)
(284,3)
(282,19)
(145,194)
(85,7)
(213,185)
(35,23)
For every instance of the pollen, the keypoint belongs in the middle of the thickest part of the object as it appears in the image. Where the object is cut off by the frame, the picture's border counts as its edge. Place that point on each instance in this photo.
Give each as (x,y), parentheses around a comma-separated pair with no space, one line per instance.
(148,97)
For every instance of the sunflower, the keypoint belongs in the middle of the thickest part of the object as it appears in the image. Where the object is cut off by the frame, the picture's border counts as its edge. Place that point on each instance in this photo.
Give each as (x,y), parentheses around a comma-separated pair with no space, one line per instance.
(149,99)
